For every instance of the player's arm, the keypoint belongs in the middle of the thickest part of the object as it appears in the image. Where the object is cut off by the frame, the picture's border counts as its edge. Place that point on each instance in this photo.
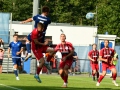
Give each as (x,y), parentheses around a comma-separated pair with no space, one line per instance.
(89,54)
(28,20)
(38,43)
(101,56)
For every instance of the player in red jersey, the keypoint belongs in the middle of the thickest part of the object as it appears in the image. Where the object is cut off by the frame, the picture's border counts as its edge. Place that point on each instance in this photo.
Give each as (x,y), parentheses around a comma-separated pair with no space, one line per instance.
(107,57)
(39,48)
(93,55)
(67,51)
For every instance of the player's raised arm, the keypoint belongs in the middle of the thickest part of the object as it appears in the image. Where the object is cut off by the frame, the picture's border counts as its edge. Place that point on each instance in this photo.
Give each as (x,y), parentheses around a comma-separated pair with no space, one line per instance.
(26,21)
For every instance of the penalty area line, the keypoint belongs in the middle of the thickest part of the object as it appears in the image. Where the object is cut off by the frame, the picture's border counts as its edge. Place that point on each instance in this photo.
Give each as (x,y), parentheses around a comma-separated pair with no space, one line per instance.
(10,87)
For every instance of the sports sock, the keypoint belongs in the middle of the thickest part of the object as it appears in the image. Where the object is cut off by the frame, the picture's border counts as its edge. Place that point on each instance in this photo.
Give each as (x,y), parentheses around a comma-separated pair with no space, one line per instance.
(38,70)
(15,72)
(114,75)
(97,74)
(28,47)
(66,79)
(100,78)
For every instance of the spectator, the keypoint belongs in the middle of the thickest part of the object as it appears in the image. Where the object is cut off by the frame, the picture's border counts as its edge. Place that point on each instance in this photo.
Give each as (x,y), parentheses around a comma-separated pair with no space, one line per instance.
(23,55)
(1,43)
(1,58)
(74,64)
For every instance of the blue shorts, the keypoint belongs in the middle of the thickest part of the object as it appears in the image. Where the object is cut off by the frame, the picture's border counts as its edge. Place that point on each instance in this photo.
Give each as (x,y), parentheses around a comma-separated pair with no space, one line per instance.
(74,64)
(29,37)
(16,61)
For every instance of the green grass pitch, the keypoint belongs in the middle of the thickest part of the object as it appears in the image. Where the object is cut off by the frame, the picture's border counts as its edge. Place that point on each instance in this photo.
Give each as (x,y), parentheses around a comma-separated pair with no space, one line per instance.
(54,82)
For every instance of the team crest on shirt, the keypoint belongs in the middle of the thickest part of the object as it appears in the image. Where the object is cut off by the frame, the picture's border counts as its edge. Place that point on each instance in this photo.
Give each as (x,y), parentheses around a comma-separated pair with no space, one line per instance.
(18,44)
(60,48)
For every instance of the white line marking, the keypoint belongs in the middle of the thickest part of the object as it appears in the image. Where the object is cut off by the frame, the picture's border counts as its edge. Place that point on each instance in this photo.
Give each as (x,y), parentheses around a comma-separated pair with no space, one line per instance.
(10,87)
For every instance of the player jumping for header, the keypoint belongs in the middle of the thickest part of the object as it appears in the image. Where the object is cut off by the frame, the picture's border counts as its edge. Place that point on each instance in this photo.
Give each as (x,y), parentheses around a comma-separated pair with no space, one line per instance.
(39,48)
(39,18)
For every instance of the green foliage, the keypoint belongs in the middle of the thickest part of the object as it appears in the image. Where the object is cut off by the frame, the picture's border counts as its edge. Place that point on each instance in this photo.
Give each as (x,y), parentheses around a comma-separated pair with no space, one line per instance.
(71,11)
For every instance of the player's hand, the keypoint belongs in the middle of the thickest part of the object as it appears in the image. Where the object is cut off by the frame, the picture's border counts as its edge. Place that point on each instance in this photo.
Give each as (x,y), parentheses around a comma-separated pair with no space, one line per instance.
(64,59)
(93,60)
(46,43)
(105,60)
(18,53)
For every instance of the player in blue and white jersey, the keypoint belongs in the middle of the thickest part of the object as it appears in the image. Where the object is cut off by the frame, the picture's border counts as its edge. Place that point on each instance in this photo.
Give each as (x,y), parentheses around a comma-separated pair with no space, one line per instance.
(16,48)
(39,18)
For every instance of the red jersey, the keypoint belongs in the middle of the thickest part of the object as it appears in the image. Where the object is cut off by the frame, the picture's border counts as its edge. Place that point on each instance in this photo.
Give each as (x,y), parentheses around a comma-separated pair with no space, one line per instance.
(94,55)
(107,54)
(36,35)
(65,49)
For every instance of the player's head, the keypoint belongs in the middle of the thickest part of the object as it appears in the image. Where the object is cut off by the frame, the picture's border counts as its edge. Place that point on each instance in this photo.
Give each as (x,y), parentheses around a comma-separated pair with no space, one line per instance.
(106,43)
(94,46)
(15,37)
(40,27)
(62,37)
(45,10)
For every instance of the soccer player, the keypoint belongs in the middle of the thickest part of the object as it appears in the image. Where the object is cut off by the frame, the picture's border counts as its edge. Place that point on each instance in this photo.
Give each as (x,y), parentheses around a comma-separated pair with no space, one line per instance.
(39,48)
(67,51)
(39,18)
(16,47)
(107,57)
(93,56)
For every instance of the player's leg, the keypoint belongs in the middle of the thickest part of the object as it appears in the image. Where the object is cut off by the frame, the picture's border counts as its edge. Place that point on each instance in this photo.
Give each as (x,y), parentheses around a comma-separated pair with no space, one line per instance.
(114,74)
(67,65)
(38,54)
(104,68)
(74,64)
(97,71)
(93,71)
(15,67)
(61,71)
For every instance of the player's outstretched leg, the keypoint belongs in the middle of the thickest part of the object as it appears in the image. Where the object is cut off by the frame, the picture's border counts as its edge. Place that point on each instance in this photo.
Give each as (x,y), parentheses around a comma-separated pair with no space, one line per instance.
(39,67)
(100,78)
(114,75)
(66,67)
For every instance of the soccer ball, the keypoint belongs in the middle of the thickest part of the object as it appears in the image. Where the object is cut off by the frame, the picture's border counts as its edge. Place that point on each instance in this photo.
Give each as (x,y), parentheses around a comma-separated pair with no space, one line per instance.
(90,15)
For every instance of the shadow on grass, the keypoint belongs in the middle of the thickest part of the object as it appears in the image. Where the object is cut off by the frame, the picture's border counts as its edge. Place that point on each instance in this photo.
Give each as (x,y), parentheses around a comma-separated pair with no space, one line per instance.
(57,88)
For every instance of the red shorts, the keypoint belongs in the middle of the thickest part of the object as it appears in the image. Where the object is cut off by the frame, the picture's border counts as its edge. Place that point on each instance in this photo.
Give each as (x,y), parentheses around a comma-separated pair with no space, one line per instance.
(39,52)
(95,67)
(67,62)
(106,66)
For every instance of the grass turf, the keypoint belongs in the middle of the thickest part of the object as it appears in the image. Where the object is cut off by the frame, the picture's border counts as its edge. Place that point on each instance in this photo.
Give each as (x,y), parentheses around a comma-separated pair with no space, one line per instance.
(53,82)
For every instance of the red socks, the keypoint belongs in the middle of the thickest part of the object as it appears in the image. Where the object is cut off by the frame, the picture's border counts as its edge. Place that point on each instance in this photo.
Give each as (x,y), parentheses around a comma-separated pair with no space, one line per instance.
(62,76)
(97,74)
(93,74)
(66,79)
(114,76)
(38,70)
(100,78)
